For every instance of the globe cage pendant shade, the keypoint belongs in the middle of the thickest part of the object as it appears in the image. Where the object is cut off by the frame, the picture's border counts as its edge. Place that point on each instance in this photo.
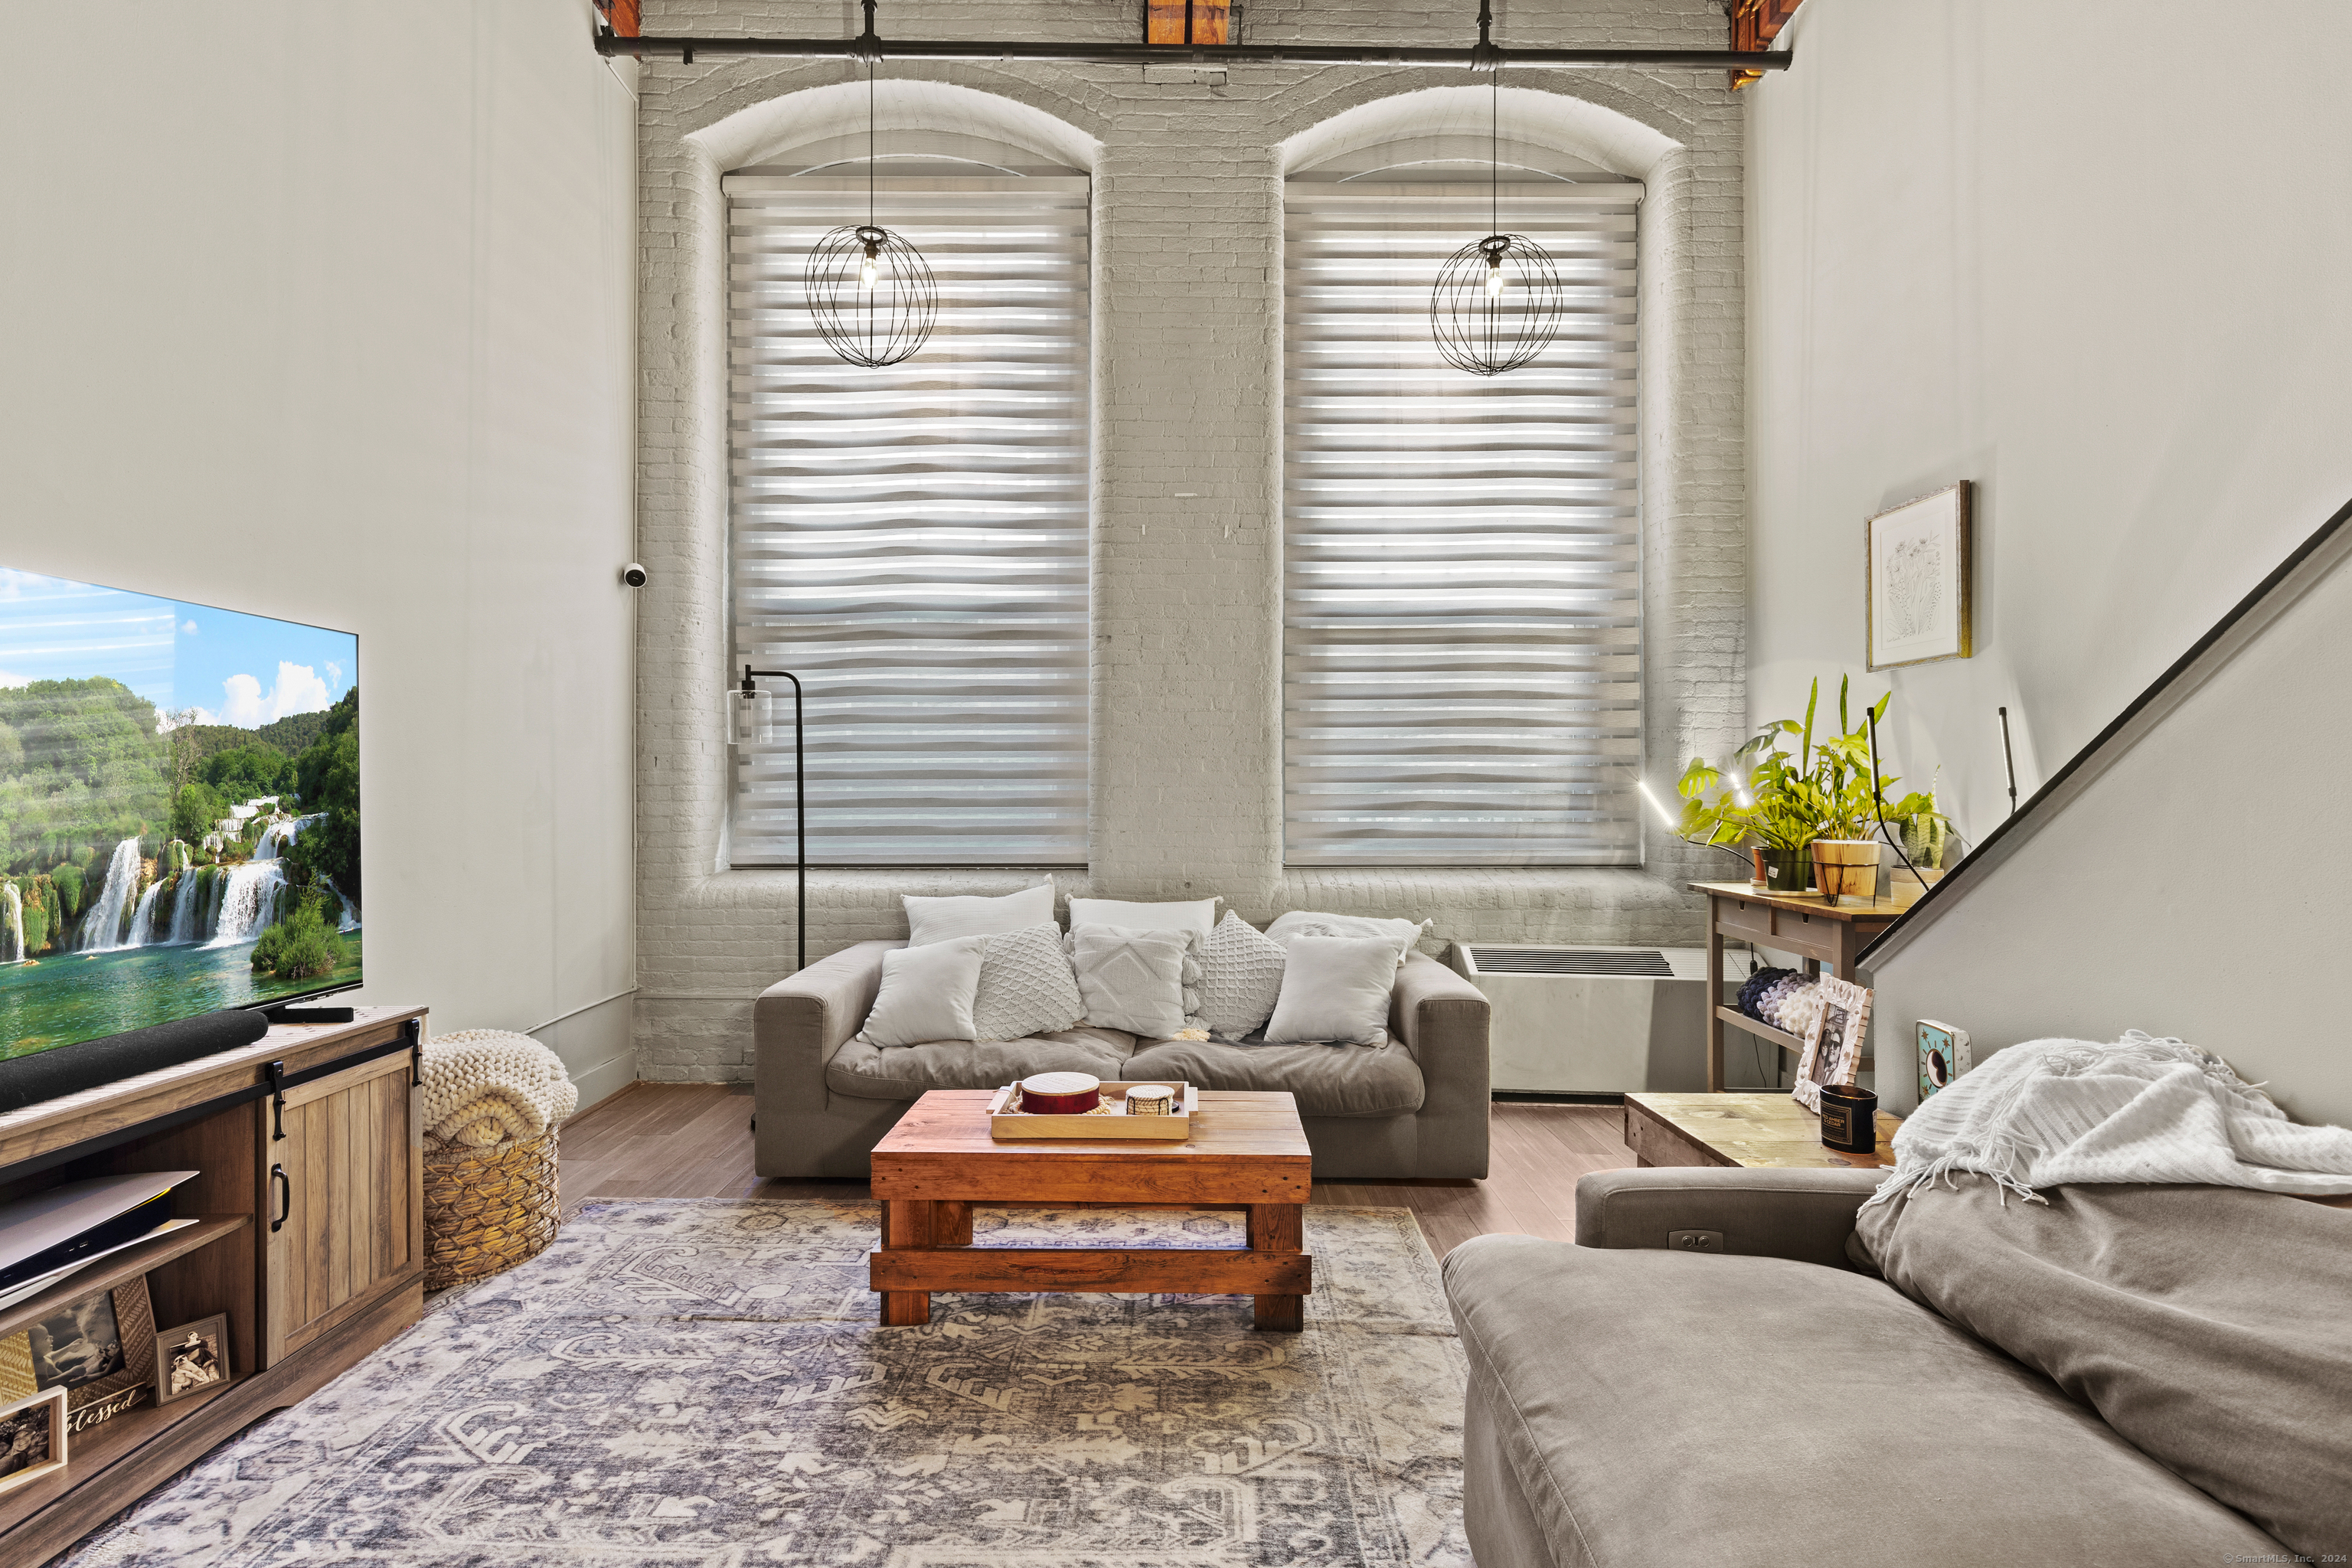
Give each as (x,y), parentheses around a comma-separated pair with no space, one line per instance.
(1497,302)
(872,295)
(1497,305)
(871,292)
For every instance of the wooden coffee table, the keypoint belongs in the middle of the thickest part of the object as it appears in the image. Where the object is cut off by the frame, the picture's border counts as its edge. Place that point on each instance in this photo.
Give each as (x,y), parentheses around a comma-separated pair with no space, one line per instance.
(1247,1150)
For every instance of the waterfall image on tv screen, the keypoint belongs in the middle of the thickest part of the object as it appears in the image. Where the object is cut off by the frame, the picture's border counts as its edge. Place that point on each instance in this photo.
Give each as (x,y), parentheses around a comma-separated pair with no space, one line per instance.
(179,810)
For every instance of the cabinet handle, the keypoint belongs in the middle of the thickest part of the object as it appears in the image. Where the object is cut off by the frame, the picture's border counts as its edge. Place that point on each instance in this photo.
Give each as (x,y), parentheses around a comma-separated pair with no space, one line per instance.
(285,1197)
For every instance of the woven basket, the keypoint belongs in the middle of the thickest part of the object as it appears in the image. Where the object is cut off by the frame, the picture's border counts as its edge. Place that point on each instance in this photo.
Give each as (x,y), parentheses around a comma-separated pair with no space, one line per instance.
(487,1210)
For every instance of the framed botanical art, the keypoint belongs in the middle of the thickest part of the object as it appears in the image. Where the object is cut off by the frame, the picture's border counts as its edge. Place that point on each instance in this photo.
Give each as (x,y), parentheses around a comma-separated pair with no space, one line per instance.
(1916,608)
(1833,1043)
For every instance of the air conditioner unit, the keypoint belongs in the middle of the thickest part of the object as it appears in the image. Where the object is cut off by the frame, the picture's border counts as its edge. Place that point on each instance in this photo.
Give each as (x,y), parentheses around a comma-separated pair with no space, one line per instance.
(1591,1020)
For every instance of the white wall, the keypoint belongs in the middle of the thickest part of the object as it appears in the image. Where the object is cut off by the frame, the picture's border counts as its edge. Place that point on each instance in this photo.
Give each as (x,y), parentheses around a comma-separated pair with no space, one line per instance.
(326,313)
(2091,256)
(2229,935)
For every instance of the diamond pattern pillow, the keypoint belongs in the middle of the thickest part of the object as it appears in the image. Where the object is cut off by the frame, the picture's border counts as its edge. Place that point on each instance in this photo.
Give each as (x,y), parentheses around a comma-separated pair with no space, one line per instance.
(1241,978)
(1026,987)
(1133,980)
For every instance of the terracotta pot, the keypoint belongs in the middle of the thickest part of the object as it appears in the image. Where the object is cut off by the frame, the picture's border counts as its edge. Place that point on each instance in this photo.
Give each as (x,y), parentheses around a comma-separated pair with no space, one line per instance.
(1762,878)
(1846,867)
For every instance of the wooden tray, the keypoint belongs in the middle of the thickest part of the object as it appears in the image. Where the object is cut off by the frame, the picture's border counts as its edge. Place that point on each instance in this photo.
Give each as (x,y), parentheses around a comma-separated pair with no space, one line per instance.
(1023,1126)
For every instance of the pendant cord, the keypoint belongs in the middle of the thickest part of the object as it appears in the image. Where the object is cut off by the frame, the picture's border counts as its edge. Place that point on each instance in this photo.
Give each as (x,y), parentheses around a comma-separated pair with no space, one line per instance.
(869,144)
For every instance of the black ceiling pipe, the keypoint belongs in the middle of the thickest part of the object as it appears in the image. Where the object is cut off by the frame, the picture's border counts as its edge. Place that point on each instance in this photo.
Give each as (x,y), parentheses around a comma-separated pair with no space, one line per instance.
(1195,54)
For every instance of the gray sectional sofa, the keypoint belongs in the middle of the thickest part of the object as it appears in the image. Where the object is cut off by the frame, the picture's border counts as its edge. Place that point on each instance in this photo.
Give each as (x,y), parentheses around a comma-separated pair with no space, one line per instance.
(1780,1402)
(1416,1107)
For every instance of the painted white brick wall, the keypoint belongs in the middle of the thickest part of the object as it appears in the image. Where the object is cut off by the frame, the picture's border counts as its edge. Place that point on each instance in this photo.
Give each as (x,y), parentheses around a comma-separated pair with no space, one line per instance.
(1187,702)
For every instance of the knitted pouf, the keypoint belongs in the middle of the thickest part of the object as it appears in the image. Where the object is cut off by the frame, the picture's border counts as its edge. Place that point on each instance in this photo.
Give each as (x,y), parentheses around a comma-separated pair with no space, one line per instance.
(487,1210)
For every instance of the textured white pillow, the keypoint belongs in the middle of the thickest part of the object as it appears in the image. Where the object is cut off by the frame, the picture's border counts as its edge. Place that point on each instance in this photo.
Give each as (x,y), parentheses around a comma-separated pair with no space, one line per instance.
(1240,976)
(1196,915)
(1401,934)
(1132,980)
(925,994)
(1335,988)
(944,919)
(1025,986)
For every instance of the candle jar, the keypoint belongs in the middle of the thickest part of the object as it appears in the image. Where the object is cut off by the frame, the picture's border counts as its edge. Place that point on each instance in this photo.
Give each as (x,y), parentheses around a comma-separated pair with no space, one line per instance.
(1061,1093)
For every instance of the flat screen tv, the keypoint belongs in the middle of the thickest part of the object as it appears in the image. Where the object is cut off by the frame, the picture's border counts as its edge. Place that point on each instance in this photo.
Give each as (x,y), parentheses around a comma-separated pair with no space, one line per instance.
(179,820)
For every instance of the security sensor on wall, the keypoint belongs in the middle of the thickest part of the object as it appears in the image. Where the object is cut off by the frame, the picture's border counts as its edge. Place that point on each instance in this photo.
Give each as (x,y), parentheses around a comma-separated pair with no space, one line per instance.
(634,575)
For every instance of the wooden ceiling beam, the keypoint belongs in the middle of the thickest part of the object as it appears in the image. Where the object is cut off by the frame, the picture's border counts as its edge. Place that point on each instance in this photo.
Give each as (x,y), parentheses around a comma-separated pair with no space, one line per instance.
(1754,24)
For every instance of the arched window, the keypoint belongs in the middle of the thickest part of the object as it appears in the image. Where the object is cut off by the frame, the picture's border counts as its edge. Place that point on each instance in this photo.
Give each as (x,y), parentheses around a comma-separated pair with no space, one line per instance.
(912,541)
(1461,637)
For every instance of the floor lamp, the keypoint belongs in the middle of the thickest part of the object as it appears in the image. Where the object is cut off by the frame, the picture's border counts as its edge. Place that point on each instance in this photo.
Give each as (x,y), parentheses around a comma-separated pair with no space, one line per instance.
(750,730)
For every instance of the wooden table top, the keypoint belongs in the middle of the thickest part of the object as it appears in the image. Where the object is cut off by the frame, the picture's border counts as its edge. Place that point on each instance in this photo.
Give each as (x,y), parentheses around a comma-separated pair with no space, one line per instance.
(1246,1146)
(1880,909)
(1760,1129)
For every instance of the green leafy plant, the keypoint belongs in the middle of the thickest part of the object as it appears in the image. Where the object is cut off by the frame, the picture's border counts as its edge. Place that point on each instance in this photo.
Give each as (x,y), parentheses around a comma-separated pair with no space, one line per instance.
(1825,790)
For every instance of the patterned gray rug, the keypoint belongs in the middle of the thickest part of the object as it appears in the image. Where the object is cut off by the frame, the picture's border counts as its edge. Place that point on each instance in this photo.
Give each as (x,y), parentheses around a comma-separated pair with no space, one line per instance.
(702,1384)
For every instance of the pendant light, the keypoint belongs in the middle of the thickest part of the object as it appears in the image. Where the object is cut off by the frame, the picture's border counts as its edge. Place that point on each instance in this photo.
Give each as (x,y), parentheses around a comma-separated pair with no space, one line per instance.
(871,292)
(1497,304)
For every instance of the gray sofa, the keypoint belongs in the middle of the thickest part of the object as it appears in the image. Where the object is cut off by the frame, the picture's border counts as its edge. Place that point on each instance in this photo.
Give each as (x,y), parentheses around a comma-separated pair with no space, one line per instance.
(1782,1403)
(1416,1107)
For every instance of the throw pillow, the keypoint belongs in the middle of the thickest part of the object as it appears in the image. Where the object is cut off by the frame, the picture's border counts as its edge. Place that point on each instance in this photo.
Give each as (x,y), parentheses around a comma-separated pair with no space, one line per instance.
(1132,980)
(945,919)
(1401,934)
(925,994)
(1335,988)
(1025,986)
(1241,977)
(1194,915)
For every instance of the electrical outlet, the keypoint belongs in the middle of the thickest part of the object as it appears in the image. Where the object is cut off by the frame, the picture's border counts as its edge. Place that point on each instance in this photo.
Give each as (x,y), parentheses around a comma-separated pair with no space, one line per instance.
(1695,1240)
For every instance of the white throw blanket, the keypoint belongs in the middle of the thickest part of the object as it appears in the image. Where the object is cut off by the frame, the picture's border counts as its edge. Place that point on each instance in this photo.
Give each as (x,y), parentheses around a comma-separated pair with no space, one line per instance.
(484,1086)
(2048,1112)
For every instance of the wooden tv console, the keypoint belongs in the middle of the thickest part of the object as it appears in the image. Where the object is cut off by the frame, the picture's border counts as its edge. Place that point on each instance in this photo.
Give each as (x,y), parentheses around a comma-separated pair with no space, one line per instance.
(310,1142)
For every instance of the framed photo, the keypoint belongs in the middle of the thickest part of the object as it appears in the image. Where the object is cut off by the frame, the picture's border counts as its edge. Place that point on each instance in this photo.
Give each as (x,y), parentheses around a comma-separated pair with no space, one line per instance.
(1833,1044)
(32,1438)
(191,1358)
(1915,603)
(98,1351)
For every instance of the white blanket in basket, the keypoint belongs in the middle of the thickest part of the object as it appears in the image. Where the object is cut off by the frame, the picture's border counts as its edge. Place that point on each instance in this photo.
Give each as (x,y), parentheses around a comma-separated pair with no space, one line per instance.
(485,1086)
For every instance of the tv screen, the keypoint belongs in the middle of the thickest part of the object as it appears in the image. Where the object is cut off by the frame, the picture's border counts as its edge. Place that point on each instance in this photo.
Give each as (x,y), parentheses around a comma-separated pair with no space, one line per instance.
(179,810)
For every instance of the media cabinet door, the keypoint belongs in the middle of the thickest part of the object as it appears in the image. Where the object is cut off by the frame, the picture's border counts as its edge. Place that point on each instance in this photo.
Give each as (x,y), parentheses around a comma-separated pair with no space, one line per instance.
(349,1179)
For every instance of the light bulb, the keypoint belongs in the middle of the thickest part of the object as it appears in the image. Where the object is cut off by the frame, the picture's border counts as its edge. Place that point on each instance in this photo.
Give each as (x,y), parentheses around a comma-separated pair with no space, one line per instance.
(1493,278)
(867,273)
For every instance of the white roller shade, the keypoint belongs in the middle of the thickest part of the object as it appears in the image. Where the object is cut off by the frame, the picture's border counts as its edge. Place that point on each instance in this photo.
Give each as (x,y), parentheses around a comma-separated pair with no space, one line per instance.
(1462,678)
(911,540)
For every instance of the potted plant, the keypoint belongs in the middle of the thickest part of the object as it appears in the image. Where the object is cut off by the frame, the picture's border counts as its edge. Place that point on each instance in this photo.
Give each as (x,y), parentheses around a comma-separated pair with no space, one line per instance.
(1812,814)
(1924,834)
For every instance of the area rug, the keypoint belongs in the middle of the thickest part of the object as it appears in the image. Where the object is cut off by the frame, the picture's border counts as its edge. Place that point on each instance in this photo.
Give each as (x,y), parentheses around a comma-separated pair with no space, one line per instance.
(702,1385)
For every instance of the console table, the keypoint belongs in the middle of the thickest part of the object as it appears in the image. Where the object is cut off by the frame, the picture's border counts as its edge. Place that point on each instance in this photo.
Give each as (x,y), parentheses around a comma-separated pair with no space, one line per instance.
(308,1145)
(1817,930)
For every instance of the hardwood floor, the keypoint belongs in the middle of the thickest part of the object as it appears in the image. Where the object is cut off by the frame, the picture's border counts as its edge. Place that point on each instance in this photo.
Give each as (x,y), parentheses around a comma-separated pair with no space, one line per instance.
(694,1140)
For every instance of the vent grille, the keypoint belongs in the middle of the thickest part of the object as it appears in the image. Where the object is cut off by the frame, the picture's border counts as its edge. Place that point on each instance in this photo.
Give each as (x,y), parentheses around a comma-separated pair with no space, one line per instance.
(1646,963)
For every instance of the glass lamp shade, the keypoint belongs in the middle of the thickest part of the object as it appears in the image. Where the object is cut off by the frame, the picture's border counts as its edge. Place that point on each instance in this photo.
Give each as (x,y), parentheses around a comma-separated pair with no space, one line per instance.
(751,720)
(872,294)
(1497,305)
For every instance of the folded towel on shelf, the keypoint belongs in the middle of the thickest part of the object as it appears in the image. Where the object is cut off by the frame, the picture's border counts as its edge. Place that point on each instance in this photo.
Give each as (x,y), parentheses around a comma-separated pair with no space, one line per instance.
(485,1086)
